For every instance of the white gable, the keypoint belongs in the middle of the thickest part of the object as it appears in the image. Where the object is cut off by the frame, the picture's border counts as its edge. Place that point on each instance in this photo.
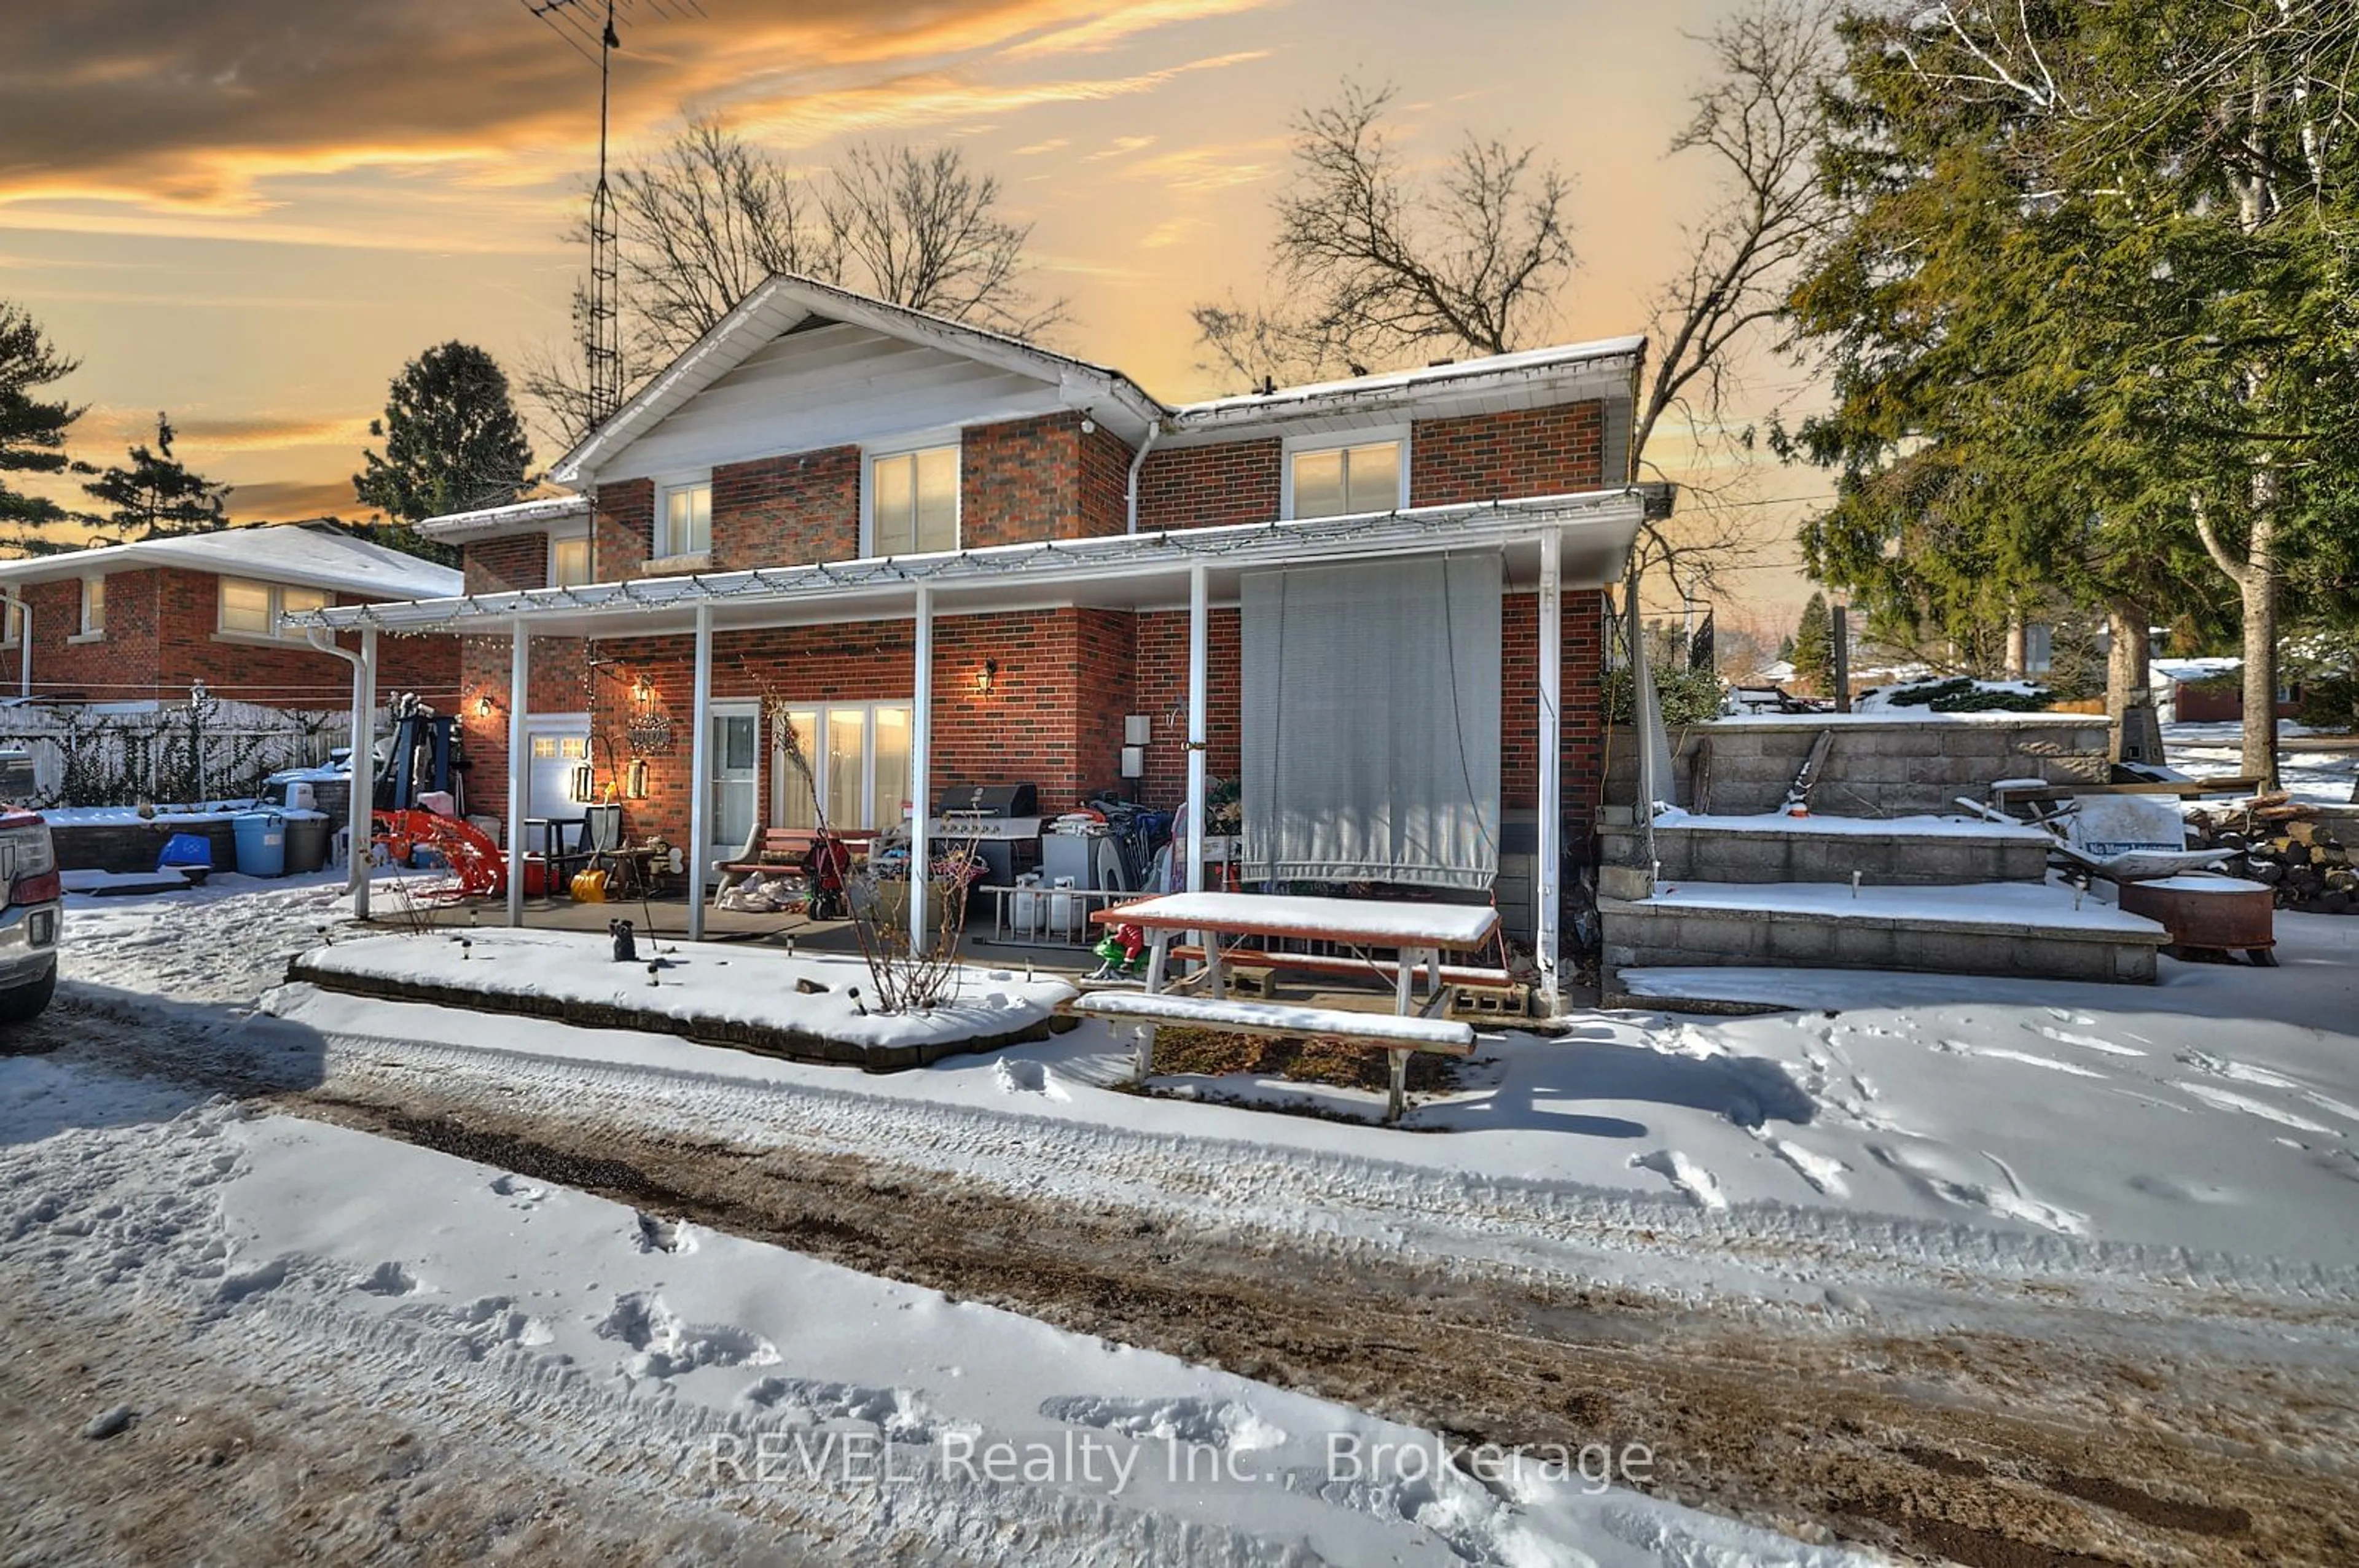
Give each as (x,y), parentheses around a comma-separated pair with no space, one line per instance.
(831,384)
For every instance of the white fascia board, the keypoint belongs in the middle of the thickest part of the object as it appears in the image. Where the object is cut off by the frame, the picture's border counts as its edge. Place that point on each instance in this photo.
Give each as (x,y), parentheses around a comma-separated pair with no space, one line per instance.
(523,516)
(1611,518)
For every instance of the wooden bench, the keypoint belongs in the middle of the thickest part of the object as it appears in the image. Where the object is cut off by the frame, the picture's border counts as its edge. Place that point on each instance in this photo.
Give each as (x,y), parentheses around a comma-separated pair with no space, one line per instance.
(1385,970)
(779,852)
(1397,1036)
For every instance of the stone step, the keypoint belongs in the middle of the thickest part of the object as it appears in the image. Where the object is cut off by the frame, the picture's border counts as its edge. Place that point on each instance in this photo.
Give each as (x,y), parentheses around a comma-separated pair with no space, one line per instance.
(1989,928)
(1902,851)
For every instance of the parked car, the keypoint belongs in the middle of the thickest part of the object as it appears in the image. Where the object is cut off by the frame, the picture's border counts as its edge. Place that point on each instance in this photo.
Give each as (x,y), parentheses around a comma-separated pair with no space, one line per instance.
(33,918)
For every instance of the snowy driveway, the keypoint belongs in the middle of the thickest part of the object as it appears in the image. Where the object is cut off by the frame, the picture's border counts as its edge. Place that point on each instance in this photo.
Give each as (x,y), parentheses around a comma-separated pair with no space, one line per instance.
(1915,1274)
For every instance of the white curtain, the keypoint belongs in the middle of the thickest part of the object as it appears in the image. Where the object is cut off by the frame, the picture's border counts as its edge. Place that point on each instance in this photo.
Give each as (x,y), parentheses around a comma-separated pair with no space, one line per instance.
(1371,722)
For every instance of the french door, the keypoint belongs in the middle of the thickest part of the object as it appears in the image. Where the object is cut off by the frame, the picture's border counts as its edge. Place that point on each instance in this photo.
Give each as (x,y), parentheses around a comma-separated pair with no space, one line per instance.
(858,755)
(735,758)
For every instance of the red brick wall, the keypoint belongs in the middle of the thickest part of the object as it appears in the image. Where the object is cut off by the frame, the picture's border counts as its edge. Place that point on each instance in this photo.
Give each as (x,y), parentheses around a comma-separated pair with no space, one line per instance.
(1162,684)
(1580,710)
(506,565)
(163,636)
(783,511)
(1052,717)
(119,668)
(1018,481)
(1105,485)
(620,529)
(1202,487)
(1499,457)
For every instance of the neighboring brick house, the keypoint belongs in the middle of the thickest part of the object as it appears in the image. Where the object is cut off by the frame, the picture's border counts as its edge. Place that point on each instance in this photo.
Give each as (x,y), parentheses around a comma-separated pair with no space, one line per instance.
(143,622)
(842,492)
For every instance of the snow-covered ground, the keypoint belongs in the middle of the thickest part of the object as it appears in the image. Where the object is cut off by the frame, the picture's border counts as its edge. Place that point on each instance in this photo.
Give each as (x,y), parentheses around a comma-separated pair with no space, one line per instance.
(2318,778)
(2182,1157)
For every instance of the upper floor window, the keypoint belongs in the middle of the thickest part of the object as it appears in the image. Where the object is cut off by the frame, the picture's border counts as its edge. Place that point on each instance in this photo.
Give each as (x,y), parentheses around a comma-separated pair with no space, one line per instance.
(12,621)
(252,609)
(684,519)
(94,606)
(1345,481)
(569,560)
(913,501)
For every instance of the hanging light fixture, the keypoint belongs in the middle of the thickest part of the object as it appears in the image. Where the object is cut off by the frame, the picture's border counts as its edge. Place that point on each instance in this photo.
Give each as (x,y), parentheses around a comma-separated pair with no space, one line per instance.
(636,779)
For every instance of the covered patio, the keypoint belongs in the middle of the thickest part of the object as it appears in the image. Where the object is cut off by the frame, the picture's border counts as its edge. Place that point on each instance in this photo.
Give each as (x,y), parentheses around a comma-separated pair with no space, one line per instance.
(1544,546)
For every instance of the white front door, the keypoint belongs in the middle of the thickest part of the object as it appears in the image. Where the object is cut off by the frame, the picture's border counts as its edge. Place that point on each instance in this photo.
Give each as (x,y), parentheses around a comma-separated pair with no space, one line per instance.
(735,773)
(555,744)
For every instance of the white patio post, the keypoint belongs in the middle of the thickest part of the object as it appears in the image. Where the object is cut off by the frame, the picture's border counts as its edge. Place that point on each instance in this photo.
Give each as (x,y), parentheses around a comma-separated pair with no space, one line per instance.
(1200,619)
(700,773)
(360,820)
(1545,848)
(519,761)
(921,759)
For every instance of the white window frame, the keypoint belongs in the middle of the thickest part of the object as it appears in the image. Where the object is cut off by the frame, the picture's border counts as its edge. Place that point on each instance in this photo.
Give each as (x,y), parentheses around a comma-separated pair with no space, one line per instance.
(661,544)
(1335,440)
(558,538)
(12,620)
(775,798)
(909,447)
(84,630)
(277,592)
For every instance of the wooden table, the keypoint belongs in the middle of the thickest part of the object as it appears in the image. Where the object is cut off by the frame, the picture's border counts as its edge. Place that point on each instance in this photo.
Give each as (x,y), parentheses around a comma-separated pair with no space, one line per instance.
(1416,934)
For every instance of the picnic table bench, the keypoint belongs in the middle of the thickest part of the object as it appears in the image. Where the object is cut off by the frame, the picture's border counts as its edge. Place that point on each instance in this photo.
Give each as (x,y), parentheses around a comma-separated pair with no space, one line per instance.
(1418,934)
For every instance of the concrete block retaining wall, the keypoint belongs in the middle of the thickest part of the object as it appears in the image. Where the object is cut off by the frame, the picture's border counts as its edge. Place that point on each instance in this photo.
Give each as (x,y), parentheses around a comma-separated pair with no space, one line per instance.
(1899,767)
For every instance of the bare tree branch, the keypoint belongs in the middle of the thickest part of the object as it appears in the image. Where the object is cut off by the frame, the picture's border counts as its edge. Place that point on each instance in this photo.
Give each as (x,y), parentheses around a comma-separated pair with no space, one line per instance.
(922,230)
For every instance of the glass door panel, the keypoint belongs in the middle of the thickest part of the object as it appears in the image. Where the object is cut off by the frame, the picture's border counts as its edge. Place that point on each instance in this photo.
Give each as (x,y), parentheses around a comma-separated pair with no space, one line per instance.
(890,787)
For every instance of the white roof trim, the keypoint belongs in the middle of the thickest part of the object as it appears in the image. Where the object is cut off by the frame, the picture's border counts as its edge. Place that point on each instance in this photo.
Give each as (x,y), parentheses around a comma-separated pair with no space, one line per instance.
(537,513)
(784,301)
(1612,516)
(1610,361)
(287,552)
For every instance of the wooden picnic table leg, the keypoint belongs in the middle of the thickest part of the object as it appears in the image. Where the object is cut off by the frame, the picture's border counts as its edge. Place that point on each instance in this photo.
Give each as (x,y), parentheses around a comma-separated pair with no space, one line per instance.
(1397,1100)
(1214,980)
(1157,941)
(1404,981)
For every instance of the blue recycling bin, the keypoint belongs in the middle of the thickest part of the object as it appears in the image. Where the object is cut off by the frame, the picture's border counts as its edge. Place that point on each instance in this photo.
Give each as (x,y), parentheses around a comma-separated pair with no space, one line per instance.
(262,844)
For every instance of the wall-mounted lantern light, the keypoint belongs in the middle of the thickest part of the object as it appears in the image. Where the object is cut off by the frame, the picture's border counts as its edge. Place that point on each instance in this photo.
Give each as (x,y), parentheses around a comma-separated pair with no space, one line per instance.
(585,783)
(486,706)
(985,676)
(635,779)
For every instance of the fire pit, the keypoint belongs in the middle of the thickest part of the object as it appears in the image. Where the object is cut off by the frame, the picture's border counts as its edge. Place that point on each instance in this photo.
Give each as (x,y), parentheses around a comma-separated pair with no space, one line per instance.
(2208,914)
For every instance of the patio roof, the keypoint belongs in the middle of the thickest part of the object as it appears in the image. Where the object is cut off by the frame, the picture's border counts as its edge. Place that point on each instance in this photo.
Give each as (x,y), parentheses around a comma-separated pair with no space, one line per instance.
(1595,530)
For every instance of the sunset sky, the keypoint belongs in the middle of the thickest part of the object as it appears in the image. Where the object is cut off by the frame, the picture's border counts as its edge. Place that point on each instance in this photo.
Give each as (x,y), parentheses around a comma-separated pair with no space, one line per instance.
(251,212)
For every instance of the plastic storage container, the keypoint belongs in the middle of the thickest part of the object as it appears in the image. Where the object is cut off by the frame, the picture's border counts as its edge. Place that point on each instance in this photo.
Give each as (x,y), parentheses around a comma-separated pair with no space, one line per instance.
(307,842)
(262,844)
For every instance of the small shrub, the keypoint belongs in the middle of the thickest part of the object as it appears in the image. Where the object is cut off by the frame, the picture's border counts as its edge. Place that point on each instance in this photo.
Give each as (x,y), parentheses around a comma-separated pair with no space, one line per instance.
(1686,697)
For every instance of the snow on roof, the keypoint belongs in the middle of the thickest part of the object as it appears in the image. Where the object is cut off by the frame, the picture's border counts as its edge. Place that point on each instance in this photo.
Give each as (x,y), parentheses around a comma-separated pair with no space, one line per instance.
(538,513)
(1492,367)
(284,552)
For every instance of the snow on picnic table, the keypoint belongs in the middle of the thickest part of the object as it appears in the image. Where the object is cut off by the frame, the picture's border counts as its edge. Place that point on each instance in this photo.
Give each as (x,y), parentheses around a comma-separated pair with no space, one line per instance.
(2216,751)
(828,995)
(1382,922)
(2038,904)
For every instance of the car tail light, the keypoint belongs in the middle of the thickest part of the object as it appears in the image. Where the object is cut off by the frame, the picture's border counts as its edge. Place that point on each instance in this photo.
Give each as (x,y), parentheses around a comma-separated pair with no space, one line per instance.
(29,859)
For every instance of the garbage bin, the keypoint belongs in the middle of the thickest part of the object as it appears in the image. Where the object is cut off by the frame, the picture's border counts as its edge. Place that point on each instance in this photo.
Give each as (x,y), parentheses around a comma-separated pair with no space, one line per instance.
(261,843)
(307,842)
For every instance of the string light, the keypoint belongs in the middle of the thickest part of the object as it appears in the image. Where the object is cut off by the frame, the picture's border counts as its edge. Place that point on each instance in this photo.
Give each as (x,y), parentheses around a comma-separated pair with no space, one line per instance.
(650,595)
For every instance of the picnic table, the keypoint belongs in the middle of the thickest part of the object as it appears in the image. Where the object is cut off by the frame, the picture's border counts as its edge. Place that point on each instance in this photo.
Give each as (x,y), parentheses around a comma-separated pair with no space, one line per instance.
(1417,935)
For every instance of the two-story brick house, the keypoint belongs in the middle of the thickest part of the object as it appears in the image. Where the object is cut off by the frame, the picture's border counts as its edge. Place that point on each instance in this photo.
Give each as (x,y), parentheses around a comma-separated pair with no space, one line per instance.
(938,556)
(142,622)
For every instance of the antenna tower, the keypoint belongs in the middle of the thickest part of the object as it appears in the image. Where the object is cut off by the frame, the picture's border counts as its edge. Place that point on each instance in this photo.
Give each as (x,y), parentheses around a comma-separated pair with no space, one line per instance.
(599,312)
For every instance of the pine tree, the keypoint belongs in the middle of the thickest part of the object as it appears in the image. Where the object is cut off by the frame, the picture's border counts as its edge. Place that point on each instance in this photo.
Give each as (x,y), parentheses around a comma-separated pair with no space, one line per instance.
(157,496)
(1814,653)
(453,439)
(32,430)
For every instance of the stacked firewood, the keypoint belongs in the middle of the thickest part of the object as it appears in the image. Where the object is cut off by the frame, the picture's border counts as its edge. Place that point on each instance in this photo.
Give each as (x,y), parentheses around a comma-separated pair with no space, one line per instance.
(2275,840)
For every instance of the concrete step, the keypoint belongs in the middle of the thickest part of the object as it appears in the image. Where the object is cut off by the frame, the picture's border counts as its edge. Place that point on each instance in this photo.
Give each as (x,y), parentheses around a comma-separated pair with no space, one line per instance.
(1988,928)
(1901,851)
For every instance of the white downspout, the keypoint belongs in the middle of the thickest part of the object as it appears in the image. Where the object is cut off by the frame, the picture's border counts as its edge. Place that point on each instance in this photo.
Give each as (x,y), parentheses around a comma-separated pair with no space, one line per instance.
(1548,853)
(921,770)
(1137,461)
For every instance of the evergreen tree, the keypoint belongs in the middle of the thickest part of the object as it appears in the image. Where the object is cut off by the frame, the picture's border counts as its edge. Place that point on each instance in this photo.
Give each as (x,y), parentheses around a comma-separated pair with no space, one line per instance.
(2090,319)
(453,439)
(157,496)
(1814,653)
(32,429)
